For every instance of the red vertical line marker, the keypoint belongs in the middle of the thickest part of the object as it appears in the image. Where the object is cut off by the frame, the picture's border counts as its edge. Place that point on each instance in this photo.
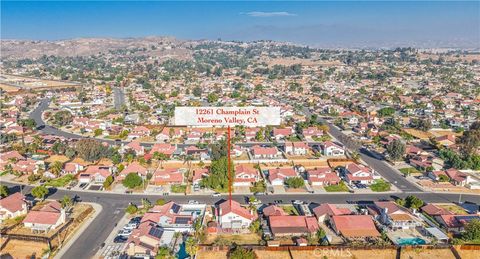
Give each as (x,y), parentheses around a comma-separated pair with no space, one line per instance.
(229,168)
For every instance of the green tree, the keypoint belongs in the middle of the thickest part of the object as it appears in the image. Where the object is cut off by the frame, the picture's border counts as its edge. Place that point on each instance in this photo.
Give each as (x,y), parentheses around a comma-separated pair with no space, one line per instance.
(218,178)
(56,168)
(197,91)
(472,230)
(39,192)
(28,123)
(160,157)
(131,209)
(239,252)
(108,182)
(295,182)
(191,246)
(212,97)
(132,180)
(91,150)
(66,202)
(62,118)
(97,132)
(386,111)
(396,149)
(413,202)
(4,191)
(160,202)
(164,253)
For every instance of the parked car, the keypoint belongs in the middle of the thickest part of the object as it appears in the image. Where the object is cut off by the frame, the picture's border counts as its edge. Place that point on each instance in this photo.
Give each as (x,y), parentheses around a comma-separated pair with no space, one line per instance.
(216,194)
(193,202)
(125,232)
(120,239)
(298,202)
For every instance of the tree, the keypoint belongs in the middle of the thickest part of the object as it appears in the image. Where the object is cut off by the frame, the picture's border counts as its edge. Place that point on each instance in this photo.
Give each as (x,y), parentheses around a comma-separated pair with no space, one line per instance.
(470,140)
(413,202)
(421,124)
(56,168)
(239,252)
(197,91)
(400,201)
(160,202)
(191,246)
(212,97)
(108,182)
(386,111)
(255,227)
(62,118)
(218,178)
(132,180)
(4,191)
(91,150)
(472,230)
(160,157)
(40,192)
(66,202)
(28,123)
(164,253)
(295,182)
(131,209)
(97,132)
(396,149)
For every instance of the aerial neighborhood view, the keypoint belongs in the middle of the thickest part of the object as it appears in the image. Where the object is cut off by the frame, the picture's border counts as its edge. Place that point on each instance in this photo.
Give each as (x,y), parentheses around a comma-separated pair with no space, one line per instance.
(240,130)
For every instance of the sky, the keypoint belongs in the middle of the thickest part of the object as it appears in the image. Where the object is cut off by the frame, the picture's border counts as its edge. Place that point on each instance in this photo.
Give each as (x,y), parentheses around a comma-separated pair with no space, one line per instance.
(341,23)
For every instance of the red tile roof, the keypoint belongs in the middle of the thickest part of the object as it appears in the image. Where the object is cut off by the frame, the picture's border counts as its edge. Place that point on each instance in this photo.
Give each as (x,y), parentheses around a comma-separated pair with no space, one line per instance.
(355,226)
(13,202)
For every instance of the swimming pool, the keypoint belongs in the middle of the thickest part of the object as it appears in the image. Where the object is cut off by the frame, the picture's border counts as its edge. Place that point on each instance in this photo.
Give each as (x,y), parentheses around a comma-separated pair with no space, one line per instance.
(410,241)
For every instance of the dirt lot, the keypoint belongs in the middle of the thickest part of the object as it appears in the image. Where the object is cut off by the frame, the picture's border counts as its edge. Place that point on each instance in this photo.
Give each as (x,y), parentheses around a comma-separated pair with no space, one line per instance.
(8,88)
(426,254)
(24,249)
(418,133)
(345,253)
(251,239)
(272,254)
(468,254)
(211,255)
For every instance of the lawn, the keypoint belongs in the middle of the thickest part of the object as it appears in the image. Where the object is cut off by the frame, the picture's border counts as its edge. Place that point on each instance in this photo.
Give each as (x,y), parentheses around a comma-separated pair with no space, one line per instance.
(290,210)
(177,188)
(409,171)
(341,187)
(61,181)
(380,186)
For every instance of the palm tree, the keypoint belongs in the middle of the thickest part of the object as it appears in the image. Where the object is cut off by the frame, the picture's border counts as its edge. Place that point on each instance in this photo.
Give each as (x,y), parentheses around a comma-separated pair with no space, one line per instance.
(160,157)
(56,167)
(188,160)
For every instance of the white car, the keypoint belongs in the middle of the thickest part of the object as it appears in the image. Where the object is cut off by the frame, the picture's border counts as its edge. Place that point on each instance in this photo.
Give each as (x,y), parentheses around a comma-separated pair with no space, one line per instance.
(216,194)
(192,202)
(125,232)
(299,202)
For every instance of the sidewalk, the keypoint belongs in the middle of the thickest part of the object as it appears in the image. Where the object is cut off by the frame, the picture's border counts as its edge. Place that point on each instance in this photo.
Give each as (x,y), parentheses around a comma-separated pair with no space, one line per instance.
(78,232)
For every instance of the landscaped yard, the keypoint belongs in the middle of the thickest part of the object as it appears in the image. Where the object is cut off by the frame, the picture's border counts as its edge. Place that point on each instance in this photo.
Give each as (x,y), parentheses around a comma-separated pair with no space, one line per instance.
(380,186)
(61,181)
(177,188)
(341,187)
(409,171)
(290,210)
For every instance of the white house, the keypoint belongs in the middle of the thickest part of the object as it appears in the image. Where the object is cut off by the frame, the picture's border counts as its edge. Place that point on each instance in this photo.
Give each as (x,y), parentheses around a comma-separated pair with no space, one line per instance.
(48,217)
(331,149)
(234,217)
(12,206)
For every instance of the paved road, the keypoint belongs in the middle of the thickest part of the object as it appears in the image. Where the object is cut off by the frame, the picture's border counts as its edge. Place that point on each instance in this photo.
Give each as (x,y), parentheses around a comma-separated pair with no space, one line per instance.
(118,97)
(114,207)
(378,165)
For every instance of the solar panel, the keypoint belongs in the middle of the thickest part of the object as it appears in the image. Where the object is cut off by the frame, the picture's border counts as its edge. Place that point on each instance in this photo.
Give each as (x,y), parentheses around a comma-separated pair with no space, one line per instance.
(156,232)
(182,220)
(175,208)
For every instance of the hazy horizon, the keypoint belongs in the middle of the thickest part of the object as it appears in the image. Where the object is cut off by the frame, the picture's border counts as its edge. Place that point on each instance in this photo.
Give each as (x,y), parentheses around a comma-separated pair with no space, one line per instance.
(317,24)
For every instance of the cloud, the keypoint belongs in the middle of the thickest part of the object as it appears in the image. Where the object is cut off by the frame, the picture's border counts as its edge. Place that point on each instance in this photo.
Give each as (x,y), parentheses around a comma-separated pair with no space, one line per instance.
(268,14)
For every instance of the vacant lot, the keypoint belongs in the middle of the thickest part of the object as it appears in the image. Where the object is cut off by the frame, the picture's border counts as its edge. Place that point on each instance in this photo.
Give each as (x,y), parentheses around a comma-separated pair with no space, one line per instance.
(418,133)
(241,239)
(272,254)
(418,253)
(211,255)
(344,253)
(24,249)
